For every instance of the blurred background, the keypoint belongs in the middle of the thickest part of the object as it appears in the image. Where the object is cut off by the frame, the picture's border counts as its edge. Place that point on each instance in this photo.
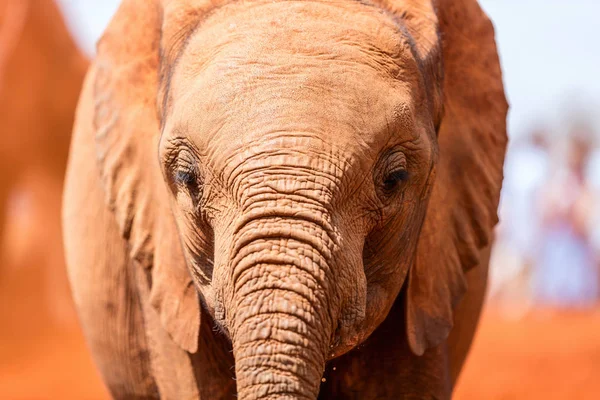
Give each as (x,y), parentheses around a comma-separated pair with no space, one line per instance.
(539,336)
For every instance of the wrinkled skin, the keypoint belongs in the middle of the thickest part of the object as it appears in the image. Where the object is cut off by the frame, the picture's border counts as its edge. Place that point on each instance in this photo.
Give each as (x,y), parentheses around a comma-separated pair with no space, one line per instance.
(41,73)
(319,183)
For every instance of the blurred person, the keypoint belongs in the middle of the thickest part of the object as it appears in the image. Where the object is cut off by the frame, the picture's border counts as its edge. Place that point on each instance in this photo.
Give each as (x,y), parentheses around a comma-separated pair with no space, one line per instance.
(526,169)
(566,272)
(593,217)
(41,72)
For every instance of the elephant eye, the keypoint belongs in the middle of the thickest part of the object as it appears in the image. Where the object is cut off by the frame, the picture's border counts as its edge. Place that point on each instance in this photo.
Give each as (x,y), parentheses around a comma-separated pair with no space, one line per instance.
(185,177)
(394,173)
(393,180)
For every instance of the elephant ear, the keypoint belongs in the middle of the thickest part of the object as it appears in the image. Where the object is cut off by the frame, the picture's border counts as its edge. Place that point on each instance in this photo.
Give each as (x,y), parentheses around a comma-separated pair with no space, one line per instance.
(472,141)
(127,133)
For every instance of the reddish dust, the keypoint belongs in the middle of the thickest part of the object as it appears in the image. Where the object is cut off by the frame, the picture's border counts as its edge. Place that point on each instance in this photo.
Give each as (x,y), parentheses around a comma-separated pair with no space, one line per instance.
(549,355)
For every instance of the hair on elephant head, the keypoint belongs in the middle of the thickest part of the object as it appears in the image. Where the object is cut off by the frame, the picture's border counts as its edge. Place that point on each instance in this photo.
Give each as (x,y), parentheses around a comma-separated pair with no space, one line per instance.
(313,158)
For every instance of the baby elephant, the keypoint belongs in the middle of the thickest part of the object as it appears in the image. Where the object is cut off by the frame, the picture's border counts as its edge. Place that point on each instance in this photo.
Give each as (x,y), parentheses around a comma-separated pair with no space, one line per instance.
(285,199)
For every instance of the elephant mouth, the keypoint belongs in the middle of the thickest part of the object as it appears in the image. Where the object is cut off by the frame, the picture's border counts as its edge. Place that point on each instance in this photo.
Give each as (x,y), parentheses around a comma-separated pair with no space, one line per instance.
(345,340)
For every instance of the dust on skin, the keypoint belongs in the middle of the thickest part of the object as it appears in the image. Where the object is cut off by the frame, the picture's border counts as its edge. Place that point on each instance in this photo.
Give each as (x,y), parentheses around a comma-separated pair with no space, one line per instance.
(296,162)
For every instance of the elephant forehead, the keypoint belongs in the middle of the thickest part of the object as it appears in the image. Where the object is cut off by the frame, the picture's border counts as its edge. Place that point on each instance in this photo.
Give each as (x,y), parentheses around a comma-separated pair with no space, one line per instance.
(298,50)
(309,77)
(327,107)
(342,29)
(349,95)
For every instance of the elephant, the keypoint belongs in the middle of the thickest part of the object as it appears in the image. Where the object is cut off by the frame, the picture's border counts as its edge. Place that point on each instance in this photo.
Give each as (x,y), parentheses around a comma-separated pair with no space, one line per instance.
(285,199)
(41,74)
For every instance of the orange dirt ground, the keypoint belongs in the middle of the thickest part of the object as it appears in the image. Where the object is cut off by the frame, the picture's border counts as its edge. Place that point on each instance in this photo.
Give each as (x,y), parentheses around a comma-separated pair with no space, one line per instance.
(546,355)
(543,356)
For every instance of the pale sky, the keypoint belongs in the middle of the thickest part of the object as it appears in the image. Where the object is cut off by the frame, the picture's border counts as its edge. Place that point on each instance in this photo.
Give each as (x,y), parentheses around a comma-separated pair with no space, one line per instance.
(549,50)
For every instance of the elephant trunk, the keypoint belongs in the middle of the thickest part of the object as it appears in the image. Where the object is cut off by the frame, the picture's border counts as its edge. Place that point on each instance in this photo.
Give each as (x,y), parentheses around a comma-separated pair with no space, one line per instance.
(281,321)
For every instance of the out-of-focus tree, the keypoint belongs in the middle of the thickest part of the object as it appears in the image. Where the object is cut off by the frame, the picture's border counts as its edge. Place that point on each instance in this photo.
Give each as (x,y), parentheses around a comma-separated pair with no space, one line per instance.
(526,169)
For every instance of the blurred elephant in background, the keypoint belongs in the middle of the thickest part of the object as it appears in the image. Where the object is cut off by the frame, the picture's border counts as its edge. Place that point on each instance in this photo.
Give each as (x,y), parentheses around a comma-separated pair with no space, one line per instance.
(41,73)
(285,199)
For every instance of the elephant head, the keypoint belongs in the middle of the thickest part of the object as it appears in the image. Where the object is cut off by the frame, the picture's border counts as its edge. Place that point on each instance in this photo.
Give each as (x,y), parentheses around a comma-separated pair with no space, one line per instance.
(297,163)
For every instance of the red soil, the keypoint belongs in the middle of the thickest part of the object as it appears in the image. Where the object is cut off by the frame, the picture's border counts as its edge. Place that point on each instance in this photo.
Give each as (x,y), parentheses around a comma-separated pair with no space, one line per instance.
(543,356)
(546,355)
(42,353)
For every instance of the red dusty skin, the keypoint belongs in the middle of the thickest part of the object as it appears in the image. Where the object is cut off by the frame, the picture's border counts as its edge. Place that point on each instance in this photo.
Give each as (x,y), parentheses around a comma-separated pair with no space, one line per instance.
(281,322)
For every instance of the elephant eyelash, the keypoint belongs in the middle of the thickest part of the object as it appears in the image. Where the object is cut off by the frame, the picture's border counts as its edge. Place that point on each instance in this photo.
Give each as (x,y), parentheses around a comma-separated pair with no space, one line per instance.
(182,166)
(393,173)
(394,181)
(185,177)
(395,177)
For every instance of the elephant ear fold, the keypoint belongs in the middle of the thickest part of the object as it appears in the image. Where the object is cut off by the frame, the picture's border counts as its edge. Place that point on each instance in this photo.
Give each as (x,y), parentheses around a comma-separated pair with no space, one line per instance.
(472,141)
(127,134)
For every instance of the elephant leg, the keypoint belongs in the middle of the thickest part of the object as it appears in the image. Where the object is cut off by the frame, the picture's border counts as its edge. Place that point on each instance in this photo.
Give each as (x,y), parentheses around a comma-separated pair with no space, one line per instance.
(466,316)
(7,184)
(5,187)
(47,205)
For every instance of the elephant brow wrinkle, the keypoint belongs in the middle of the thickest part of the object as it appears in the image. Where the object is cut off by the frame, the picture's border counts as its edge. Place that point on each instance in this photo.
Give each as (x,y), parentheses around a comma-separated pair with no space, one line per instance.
(167,68)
